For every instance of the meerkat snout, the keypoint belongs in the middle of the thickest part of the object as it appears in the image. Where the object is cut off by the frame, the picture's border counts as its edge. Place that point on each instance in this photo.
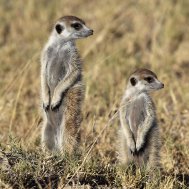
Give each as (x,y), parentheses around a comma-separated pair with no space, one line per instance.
(71,27)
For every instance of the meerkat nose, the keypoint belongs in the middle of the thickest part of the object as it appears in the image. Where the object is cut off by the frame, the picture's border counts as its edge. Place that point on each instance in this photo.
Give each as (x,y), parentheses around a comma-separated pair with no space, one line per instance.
(162,85)
(91,32)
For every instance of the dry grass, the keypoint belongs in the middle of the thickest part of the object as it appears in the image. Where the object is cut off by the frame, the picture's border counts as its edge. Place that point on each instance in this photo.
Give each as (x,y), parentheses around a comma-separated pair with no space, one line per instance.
(128,35)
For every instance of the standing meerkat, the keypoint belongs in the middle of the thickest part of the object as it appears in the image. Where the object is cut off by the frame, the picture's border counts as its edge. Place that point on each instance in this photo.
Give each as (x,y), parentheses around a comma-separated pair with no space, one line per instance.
(139,133)
(62,86)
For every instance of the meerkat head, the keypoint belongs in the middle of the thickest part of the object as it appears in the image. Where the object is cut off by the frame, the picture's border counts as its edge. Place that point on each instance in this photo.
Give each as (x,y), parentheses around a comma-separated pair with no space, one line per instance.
(144,80)
(71,28)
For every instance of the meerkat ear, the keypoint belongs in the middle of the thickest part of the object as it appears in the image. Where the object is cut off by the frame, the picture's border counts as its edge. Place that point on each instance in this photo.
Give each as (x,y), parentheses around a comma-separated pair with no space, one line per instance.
(59,28)
(133,81)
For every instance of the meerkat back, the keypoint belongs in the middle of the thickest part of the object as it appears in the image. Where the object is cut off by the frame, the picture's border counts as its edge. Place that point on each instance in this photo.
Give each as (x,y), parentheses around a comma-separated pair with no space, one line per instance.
(140,142)
(61,85)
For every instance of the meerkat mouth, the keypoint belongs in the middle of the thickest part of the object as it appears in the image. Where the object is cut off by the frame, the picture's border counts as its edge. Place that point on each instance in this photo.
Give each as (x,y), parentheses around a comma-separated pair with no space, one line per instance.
(87,34)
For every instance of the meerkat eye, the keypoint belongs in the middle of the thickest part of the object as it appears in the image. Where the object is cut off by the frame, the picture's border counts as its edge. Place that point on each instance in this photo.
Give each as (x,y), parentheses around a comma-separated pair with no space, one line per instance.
(59,28)
(149,79)
(133,81)
(76,26)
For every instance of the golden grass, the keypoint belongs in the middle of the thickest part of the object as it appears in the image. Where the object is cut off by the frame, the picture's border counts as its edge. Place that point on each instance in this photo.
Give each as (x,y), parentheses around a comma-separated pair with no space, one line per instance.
(127,35)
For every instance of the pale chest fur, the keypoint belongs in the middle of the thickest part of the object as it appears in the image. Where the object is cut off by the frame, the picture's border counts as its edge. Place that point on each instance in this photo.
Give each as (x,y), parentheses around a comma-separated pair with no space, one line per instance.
(57,64)
(136,113)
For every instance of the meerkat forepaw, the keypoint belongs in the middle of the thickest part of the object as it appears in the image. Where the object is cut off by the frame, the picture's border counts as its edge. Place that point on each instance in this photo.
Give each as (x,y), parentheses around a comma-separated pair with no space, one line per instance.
(46,101)
(132,147)
(139,144)
(55,103)
(46,106)
(133,152)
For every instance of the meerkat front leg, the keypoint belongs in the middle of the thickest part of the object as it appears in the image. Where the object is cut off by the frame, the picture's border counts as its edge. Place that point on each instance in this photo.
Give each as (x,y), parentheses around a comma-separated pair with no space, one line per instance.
(45,92)
(144,128)
(62,86)
(126,130)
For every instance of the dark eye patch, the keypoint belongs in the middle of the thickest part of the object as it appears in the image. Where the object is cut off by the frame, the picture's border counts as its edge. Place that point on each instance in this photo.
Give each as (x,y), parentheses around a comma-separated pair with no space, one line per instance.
(149,79)
(59,28)
(76,26)
(133,81)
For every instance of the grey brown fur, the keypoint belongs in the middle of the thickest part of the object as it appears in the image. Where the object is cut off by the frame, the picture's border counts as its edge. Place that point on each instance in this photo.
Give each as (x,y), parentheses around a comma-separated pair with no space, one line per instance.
(62,86)
(139,133)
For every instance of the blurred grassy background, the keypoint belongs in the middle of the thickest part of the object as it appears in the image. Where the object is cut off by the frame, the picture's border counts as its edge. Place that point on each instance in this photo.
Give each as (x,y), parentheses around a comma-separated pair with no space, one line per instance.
(127,35)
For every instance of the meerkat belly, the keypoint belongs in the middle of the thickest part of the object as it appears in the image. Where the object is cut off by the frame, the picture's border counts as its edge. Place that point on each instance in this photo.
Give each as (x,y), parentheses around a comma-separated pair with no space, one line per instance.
(135,115)
(56,72)
(57,69)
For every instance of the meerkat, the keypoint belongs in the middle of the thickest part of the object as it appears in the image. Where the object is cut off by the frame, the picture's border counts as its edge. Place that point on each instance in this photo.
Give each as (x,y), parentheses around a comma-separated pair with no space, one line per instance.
(139,132)
(61,85)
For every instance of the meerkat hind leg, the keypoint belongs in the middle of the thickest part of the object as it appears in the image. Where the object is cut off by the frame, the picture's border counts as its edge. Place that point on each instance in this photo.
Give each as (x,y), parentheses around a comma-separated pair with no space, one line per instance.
(152,156)
(72,119)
